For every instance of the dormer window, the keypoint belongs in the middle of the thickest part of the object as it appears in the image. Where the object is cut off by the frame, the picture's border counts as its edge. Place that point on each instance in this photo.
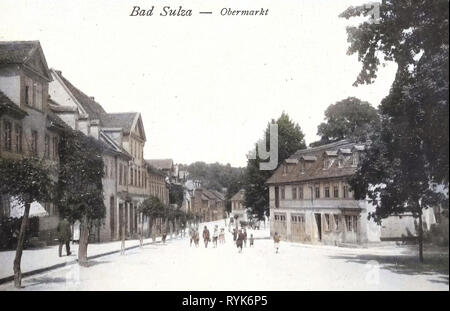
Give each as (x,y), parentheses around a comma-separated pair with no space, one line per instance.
(284,170)
(302,167)
(325,163)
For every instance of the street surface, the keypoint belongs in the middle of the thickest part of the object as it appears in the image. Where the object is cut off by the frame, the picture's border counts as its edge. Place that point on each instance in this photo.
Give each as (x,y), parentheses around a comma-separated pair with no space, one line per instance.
(177,266)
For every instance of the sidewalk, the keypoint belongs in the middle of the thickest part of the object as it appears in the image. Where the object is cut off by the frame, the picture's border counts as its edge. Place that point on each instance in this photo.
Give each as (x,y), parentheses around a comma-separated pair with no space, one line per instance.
(42,259)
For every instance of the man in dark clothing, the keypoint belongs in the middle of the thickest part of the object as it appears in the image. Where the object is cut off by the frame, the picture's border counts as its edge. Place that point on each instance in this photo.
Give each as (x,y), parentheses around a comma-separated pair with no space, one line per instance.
(206,237)
(64,234)
(240,240)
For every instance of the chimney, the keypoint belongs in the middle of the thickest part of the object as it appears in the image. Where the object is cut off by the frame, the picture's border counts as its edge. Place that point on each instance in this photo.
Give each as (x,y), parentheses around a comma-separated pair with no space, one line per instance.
(92,98)
(59,72)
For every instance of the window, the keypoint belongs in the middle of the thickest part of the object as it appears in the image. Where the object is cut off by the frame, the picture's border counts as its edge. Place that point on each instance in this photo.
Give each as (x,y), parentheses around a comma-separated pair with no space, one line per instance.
(294,218)
(18,135)
(283,194)
(351,222)
(277,217)
(47,146)
(336,222)
(340,162)
(294,193)
(336,191)
(300,192)
(355,159)
(34,142)
(139,178)
(37,95)
(131,176)
(27,95)
(317,191)
(345,192)
(7,135)
(327,191)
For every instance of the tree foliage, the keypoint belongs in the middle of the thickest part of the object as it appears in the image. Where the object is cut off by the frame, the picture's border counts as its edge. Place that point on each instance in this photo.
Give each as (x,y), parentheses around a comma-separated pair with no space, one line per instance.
(214,176)
(27,179)
(176,194)
(290,139)
(349,118)
(81,169)
(153,207)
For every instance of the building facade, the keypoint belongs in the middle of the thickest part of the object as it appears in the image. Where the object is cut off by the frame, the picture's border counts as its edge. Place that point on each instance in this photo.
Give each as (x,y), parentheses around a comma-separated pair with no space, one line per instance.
(311,201)
(28,127)
(125,183)
(208,204)
(238,209)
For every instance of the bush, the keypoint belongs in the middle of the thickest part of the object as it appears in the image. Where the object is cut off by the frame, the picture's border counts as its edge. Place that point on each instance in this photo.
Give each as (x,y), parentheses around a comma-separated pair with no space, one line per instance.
(9,231)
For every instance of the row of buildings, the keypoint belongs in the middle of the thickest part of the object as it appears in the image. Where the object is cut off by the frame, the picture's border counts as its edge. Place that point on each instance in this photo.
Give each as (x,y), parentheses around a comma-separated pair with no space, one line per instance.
(38,103)
(206,204)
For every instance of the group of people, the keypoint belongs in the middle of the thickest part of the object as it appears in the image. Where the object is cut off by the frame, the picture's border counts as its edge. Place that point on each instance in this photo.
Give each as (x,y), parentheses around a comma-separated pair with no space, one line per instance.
(240,237)
(217,236)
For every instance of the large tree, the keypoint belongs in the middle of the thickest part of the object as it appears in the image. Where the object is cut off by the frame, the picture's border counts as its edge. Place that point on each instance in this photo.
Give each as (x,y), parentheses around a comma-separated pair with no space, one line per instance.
(80,189)
(406,166)
(349,118)
(290,139)
(27,180)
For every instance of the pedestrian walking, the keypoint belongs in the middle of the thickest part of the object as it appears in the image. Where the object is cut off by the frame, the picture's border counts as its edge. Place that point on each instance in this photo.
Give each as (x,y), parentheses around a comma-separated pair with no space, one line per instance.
(240,241)
(164,235)
(206,236)
(252,240)
(215,235)
(196,237)
(234,234)
(64,234)
(191,235)
(222,236)
(276,240)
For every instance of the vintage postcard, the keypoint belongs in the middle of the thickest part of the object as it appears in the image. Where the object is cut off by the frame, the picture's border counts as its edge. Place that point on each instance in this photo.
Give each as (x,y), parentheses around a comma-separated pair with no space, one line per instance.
(212,145)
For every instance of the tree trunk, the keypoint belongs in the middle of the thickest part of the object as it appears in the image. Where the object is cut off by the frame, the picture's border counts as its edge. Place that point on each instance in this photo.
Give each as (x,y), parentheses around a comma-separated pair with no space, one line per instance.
(83,244)
(420,237)
(20,243)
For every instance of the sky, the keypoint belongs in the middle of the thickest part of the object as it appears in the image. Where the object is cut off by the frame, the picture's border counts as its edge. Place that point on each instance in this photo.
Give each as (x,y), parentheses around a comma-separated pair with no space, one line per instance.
(206,85)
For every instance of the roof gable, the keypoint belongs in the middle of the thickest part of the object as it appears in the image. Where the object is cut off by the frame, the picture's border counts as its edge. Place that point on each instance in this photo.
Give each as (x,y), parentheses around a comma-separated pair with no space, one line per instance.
(86,103)
(26,53)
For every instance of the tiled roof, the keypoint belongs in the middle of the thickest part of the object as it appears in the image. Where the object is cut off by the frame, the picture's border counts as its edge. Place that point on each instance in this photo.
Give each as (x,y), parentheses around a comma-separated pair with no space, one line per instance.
(154,170)
(17,52)
(239,196)
(7,104)
(55,120)
(314,169)
(118,120)
(161,163)
(93,109)
(219,195)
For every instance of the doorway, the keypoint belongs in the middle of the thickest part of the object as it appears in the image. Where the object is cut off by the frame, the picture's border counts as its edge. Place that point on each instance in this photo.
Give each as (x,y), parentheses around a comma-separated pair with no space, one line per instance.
(319,225)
